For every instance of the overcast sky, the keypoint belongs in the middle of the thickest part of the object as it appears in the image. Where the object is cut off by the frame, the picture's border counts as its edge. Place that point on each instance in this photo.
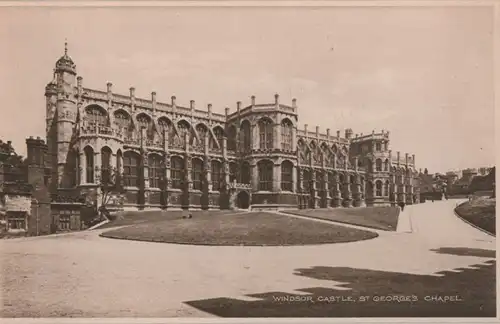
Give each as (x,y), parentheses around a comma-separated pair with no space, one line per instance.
(424,74)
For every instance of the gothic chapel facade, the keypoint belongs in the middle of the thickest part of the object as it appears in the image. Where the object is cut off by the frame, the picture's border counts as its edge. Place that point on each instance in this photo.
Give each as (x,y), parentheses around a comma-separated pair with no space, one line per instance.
(170,156)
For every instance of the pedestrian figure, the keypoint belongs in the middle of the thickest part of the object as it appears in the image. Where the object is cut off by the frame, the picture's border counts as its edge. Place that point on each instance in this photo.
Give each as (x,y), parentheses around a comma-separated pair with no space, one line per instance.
(190,215)
(402,205)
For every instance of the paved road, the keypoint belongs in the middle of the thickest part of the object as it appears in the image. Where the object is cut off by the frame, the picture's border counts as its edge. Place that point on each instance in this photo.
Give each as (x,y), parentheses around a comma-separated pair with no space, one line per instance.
(84,275)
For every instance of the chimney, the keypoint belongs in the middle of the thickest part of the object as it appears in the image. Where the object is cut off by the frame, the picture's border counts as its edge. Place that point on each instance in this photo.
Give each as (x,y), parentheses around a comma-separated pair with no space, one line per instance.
(305,129)
(132,92)
(294,103)
(253,100)
(109,87)
(238,106)
(406,157)
(173,101)
(317,131)
(328,133)
(227,111)
(276,99)
(192,104)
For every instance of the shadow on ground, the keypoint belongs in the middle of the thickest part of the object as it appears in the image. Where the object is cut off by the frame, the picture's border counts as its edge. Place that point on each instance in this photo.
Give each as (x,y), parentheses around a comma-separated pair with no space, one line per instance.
(470,293)
(464,251)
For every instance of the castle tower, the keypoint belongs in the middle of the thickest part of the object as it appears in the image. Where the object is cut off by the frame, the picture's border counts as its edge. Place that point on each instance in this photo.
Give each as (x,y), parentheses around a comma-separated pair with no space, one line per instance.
(61,113)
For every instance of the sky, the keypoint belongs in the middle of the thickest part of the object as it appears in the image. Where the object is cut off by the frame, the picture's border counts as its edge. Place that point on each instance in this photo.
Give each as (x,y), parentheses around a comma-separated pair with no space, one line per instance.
(423,73)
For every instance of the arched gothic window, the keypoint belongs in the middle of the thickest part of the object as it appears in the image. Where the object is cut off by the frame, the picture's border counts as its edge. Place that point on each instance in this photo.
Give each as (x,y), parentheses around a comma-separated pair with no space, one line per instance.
(265,133)
(197,174)
(131,169)
(378,165)
(124,123)
(233,172)
(265,168)
(216,175)
(386,165)
(246,136)
(106,165)
(166,128)
(154,170)
(96,115)
(245,173)
(202,131)
(219,137)
(145,122)
(306,179)
(177,171)
(287,176)
(286,135)
(231,138)
(378,146)
(386,188)
(183,127)
(89,162)
(378,188)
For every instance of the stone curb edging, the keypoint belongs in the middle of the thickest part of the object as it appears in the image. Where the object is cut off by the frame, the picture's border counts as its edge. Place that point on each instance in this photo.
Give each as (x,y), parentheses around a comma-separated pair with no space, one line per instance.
(96,226)
(467,222)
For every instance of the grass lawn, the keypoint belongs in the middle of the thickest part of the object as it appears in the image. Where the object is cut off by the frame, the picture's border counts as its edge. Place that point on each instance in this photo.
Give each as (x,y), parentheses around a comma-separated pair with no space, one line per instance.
(382,218)
(251,229)
(147,216)
(480,212)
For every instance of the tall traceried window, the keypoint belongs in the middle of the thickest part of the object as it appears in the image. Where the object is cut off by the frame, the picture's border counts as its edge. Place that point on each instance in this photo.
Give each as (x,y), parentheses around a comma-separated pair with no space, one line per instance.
(233,172)
(219,137)
(131,169)
(245,173)
(378,146)
(320,180)
(378,165)
(245,136)
(386,165)
(145,122)
(154,170)
(265,168)
(216,175)
(119,164)
(89,162)
(183,128)
(231,138)
(378,188)
(286,135)
(331,183)
(287,176)
(265,133)
(123,122)
(97,115)
(197,174)
(72,168)
(306,180)
(106,165)
(177,172)
(202,131)
(166,128)
(386,188)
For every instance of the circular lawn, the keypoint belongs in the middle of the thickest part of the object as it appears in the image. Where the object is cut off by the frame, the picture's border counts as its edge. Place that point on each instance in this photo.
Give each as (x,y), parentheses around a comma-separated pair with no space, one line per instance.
(247,229)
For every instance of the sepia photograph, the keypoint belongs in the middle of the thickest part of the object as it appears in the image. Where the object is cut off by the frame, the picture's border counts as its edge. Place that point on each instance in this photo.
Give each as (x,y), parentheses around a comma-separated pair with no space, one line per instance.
(247,161)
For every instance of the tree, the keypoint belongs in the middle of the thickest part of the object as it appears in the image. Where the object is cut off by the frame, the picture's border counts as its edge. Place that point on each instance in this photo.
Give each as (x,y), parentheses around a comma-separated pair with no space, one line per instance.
(110,182)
